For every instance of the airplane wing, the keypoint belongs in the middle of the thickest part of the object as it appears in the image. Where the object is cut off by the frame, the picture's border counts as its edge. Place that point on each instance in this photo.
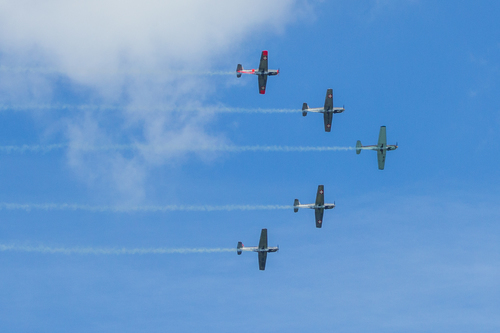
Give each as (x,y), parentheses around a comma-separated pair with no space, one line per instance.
(320,201)
(320,196)
(262,260)
(262,83)
(263,239)
(382,143)
(328,117)
(382,137)
(381,158)
(263,245)
(329,100)
(318,212)
(263,62)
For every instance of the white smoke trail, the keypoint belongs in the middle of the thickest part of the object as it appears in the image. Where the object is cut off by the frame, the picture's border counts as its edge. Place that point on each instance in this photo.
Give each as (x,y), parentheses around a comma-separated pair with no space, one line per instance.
(25,107)
(239,149)
(201,73)
(29,70)
(81,107)
(149,209)
(109,251)
(222,109)
(32,148)
(159,73)
(160,149)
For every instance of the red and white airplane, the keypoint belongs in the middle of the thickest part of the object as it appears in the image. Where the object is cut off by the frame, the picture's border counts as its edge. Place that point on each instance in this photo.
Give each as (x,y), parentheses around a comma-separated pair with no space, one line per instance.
(262,72)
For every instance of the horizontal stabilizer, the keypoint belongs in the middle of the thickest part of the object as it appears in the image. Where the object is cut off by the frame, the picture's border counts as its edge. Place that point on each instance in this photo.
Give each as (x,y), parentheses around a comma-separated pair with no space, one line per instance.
(358,147)
(304,107)
(238,69)
(239,248)
(296,204)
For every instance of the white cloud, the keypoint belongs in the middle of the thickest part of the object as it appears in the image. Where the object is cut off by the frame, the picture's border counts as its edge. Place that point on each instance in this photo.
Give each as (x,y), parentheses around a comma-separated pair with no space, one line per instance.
(85,39)
(110,48)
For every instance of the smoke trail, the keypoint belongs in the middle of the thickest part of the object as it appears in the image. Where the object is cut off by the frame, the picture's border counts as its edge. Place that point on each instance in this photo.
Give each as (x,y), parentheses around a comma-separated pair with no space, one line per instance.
(24,107)
(59,146)
(40,70)
(150,209)
(240,149)
(110,251)
(32,148)
(81,107)
(201,73)
(29,70)
(249,110)
(165,149)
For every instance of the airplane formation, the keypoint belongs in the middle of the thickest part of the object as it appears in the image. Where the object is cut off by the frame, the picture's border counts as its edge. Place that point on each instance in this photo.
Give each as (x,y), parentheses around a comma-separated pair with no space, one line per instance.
(328,111)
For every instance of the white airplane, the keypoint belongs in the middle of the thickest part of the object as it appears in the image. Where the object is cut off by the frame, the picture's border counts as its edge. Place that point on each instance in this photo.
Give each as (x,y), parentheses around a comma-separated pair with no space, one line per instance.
(319,206)
(262,249)
(263,72)
(328,110)
(382,147)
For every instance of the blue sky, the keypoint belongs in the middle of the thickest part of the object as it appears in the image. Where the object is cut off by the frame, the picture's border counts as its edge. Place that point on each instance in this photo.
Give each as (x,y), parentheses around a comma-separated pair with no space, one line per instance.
(412,248)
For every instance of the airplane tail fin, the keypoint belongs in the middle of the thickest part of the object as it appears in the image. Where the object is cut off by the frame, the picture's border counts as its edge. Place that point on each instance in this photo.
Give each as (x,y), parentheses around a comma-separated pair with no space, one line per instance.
(296,204)
(304,107)
(358,147)
(239,248)
(238,69)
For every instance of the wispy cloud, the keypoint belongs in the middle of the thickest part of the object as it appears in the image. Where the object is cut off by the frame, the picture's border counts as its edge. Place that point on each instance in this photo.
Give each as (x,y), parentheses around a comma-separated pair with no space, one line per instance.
(112,60)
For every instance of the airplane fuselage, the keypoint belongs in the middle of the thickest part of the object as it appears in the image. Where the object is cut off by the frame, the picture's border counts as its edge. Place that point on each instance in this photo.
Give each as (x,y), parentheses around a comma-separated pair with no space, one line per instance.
(379,147)
(323,110)
(313,206)
(257,249)
(270,72)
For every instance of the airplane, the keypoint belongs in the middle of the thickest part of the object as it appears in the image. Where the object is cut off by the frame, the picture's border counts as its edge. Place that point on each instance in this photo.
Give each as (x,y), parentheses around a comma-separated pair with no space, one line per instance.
(262,249)
(319,206)
(382,147)
(328,110)
(262,72)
